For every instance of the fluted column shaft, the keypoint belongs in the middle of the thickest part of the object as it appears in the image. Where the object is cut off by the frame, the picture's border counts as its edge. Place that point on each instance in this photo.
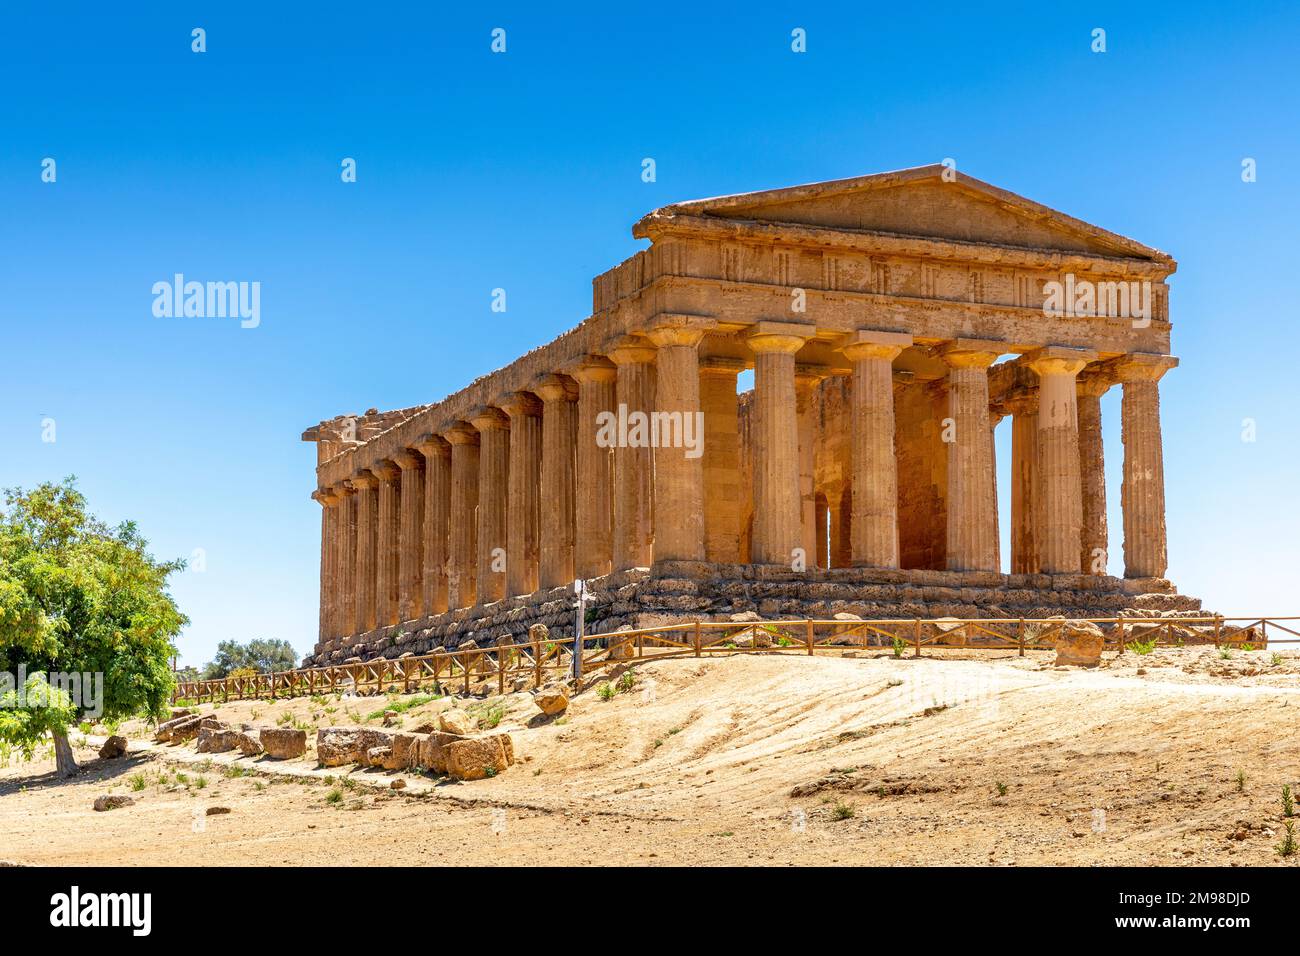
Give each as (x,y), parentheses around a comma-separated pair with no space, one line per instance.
(777,526)
(972,527)
(805,410)
(633,463)
(437,514)
(462,533)
(493,488)
(410,564)
(722,483)
(874,528)
(1024,485)
(1142,494)
(559,396)
(347,589)
(1094,538)
(328,561)
(678,468)
(594,534)
(367,486)
(1061,492)
(388,545)
(523,519)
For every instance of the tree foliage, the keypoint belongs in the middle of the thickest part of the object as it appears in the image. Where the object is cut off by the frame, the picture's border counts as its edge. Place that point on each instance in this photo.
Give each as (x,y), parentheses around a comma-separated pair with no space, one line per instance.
(78,596)
(258,656)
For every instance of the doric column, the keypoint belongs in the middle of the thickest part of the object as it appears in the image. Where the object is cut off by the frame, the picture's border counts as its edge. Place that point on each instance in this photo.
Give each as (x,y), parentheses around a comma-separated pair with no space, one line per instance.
(410,562)
(388,546)
(874,529)
(1061,501)
(437,513)
(720,404)
(1094,538)
(995,417)
(679,467)
(493,487)
(806,380)
(367,486)
(594,508)
(1024,482)
(1142,495)
(972,526)
(777,527)
(633,463)
(559,395)
(347,560)
(841,527)
(523,527)
(328,501)
(462,525)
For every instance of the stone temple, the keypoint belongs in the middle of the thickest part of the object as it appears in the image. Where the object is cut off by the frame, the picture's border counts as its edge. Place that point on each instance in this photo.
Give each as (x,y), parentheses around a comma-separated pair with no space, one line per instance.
(891,321)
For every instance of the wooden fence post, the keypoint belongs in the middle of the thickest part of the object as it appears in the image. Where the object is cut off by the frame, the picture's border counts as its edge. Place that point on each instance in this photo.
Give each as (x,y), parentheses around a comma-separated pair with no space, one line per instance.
(916,636)
(697,639)
(1218,624)
(809,637)
(1120,625)
(1020,636)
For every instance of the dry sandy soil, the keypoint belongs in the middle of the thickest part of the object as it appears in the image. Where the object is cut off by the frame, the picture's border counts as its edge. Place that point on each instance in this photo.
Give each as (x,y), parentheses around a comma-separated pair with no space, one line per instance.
(958,758)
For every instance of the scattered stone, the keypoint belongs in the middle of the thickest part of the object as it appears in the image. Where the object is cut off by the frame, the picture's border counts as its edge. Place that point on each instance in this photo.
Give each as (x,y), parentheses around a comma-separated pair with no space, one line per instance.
(381,757)
(213,740)
(552,699)
(113,748)
(113,802)
(539,633)
(398,784)
(336,746)
(177,729)
(455,722)
(249,745)
(1079,644)
(389,717)
(406,750)
(476,759)
(179,712)
(283,743)
(216,811)
(625,649)
(433,751)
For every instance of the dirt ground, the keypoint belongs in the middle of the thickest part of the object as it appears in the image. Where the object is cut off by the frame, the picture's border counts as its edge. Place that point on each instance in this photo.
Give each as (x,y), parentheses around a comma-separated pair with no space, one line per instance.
(1178,757)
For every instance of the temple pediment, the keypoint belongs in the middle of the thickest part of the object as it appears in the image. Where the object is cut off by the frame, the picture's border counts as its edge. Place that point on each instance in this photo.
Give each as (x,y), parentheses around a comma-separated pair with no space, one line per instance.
(920,203)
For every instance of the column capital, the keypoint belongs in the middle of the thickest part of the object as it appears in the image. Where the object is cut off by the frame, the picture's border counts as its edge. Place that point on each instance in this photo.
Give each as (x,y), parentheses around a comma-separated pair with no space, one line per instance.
(780,337)
(1093,382)
(809,376)
(519,404)
(1141,366)
(489,418)
(343,488)
(592,368)
(460,433)
(631,350)
(1056,359)
(971,353)
(364,479)
(432,446)
(668,329)
(556,388)
(873,343)
(386,470)
(406,459)
(1021,401)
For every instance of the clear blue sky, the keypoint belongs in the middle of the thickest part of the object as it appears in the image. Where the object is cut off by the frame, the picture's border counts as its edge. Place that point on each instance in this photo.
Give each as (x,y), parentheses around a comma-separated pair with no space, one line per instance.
(522,171)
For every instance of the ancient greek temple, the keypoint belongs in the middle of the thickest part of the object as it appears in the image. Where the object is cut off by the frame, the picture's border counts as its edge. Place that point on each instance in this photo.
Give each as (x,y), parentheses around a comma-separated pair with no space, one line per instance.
(891,322)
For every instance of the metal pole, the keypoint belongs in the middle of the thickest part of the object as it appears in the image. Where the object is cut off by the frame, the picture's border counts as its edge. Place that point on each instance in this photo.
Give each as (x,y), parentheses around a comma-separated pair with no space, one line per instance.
(581,590)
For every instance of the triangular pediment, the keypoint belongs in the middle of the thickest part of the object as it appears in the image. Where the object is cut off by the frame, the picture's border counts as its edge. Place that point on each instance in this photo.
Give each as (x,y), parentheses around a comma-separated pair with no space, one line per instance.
(922,203)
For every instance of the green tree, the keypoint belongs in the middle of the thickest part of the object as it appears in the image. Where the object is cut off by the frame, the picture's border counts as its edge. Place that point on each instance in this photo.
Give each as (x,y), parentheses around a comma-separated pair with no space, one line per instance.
(80,597)
(260,655)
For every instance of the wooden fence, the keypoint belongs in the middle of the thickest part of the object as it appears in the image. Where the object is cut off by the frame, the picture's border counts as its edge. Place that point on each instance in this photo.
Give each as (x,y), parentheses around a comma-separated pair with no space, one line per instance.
(535,662)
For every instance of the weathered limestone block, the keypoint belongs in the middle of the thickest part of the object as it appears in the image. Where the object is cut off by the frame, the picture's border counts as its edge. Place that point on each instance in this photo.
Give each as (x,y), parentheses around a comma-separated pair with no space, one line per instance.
(479,757)
(215,741)
(283,743)
(336,746)
(456,722)
(406,749)
(113,748)
(433,751)
(249,743)
(552,699)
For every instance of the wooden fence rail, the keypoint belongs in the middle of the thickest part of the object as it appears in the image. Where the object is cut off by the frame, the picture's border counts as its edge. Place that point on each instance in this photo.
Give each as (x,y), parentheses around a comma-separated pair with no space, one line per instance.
(534,662)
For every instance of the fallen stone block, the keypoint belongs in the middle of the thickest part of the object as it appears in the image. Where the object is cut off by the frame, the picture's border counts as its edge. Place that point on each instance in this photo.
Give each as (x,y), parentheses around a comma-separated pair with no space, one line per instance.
(455,722)
(113,748)
(216,741)
(249,744)
(433,751)
(476,758)
(114,802)
(283,743)
(552,699)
